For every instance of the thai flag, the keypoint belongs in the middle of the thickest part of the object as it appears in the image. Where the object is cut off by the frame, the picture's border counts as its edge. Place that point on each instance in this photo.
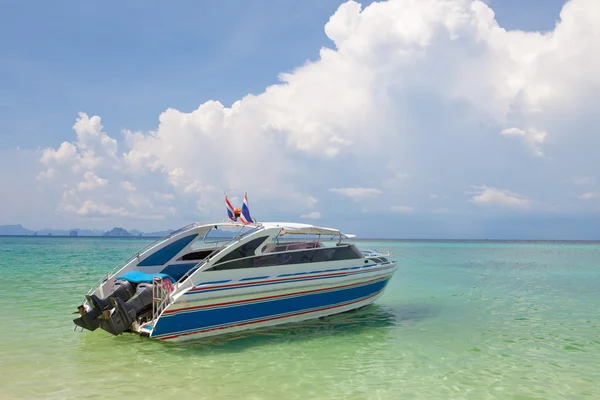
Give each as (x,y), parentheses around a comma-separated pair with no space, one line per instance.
(230,210)
(245,216)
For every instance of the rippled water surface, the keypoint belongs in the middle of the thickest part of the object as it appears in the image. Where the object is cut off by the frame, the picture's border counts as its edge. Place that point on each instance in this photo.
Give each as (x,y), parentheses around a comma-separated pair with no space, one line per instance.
(459,320)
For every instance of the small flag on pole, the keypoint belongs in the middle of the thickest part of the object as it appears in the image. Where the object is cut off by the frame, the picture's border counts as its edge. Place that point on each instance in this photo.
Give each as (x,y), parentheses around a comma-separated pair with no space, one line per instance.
(245,217)
(230,209)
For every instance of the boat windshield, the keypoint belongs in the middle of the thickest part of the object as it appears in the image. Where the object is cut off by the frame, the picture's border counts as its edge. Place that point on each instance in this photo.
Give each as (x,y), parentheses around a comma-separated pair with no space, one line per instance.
(221,235)
(322,240)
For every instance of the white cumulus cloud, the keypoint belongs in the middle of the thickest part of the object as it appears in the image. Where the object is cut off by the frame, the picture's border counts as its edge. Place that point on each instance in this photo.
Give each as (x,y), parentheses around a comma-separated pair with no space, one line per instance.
(92,209)
(490,196)
(311,215)
(90,135)
(357,193)
(357,115)
(47,174)
(532,137)
(63,154)
(92,181)
(128,186)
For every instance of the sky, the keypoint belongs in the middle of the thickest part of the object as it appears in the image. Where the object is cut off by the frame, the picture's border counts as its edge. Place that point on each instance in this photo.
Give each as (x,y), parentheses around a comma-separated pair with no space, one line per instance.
(398,119)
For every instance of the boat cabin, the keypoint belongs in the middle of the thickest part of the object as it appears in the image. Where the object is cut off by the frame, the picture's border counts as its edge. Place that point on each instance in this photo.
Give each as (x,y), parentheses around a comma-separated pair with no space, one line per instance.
(199,248)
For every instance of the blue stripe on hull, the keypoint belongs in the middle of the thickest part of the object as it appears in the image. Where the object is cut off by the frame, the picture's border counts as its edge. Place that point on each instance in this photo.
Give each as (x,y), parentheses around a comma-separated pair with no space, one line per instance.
(214,317)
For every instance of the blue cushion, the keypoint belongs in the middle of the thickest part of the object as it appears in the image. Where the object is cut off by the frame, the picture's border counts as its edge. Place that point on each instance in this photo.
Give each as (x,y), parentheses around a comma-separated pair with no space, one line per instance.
(139,277)
(177,271)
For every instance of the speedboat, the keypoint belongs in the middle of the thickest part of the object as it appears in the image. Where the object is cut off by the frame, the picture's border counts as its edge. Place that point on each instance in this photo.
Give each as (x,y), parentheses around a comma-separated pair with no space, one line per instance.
(210,279)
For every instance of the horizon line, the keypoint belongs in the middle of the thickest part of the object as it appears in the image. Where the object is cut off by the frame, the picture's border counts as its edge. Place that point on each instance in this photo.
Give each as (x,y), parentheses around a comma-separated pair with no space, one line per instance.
(50,236)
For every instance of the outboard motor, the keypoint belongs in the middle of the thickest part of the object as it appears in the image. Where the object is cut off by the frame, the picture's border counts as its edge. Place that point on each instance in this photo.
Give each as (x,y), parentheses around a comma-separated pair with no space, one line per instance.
(123,314)
(116,312)
(89,318)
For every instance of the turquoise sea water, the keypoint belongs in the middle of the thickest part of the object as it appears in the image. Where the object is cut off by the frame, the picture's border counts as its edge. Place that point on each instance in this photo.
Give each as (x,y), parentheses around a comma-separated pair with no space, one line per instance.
(460,320)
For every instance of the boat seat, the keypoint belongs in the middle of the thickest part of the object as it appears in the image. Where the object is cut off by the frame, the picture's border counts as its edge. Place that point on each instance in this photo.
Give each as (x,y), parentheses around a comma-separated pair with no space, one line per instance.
(142,277)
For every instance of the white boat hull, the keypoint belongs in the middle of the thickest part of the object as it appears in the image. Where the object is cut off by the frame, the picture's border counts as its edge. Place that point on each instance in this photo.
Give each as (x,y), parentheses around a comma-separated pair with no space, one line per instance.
(195,283)
(234,308)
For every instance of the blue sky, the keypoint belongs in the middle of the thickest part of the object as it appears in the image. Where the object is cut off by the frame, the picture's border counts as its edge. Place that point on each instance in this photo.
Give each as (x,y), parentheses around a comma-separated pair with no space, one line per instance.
(133,61)
(397,130)
(127,63)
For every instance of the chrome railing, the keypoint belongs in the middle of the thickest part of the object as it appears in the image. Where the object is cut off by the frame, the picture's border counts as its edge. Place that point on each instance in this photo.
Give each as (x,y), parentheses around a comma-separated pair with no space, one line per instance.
(185,228)
(243,231)
(376,253)
(117,268)
(161,291)
(191,271)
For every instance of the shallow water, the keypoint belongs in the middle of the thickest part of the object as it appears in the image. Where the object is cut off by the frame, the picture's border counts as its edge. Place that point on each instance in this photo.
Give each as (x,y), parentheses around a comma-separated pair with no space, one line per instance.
(468,320)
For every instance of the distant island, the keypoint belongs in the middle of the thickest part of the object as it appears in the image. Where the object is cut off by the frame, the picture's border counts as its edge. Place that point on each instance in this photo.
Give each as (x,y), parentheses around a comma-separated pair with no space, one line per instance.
(117,232)
(19,230)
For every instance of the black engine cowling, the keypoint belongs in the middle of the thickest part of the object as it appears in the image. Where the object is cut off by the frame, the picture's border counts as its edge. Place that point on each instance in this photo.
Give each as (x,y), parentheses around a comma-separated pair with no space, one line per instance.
(116,312)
